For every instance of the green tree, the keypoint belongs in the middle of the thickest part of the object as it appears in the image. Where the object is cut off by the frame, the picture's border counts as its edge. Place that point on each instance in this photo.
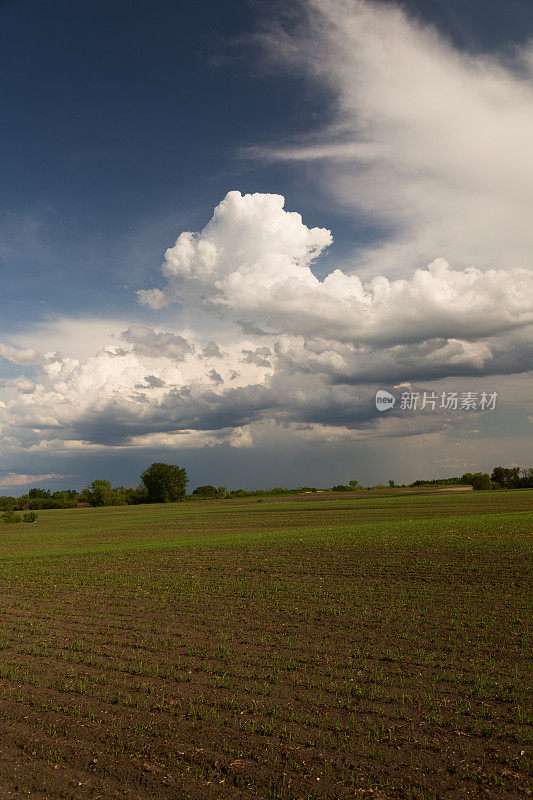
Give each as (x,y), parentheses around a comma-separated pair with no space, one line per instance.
(481,481)
(526,478)
(205,491)
(165,483)
(39,494)
(507,477)
(10,517)
(137,495)
(8,502)
(101,493)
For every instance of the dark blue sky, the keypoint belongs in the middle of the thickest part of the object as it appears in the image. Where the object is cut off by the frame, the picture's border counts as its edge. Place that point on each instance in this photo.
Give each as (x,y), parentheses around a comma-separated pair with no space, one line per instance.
(122,123)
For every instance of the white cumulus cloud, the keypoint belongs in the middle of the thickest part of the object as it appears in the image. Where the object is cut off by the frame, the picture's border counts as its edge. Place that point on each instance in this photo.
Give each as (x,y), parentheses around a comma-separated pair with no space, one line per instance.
(20,355)
(16,479)
(254,258)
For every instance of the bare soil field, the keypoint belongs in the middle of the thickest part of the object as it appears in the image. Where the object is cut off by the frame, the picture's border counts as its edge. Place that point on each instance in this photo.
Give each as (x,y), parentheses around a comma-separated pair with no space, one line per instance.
(341,648)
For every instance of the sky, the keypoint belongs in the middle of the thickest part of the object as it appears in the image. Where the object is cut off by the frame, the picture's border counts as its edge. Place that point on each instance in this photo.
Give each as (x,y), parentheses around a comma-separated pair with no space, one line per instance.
(225,226)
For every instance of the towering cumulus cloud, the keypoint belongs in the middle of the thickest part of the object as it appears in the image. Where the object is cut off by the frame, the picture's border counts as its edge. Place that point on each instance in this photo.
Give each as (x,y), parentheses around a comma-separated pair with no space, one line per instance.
(254,259)
(297,351)
(250,246)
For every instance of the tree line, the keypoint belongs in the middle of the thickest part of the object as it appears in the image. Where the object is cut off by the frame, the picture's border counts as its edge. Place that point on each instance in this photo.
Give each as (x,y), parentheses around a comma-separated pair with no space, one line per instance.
(500,478)
(160,483)
(165,483)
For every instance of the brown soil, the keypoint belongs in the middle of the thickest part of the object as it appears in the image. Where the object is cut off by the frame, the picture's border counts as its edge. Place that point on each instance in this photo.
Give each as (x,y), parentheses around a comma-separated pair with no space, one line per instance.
(271,672)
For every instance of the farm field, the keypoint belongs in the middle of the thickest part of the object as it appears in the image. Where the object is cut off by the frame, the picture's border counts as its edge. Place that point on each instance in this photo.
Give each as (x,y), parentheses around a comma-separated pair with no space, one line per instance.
(341,647)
